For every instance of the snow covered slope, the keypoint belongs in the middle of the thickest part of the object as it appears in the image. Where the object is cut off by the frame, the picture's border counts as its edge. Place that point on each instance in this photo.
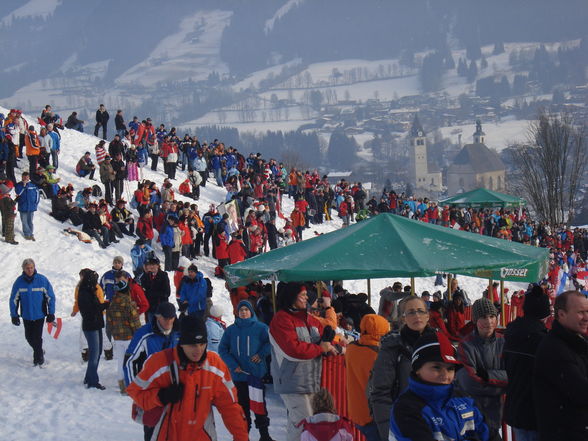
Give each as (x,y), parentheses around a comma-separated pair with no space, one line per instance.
(51,403)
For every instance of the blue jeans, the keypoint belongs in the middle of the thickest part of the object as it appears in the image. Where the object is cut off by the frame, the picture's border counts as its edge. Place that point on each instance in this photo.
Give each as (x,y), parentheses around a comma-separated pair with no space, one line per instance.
(370,431)
(26,218)
(525,435)
(55,158)
(219,177)
(94,339)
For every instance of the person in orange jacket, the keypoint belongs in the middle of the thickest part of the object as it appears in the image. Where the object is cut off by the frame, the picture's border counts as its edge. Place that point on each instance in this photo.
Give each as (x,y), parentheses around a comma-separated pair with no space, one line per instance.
(187,388)
(359,358)
(298,222)
(33,145)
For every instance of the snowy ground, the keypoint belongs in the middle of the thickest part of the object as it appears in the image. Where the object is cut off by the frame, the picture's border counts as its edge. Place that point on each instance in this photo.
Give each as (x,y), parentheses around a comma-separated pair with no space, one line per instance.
(51,403)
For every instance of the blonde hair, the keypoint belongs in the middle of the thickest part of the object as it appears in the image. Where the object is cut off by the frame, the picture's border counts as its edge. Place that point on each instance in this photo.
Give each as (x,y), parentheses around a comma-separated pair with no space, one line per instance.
(322,402)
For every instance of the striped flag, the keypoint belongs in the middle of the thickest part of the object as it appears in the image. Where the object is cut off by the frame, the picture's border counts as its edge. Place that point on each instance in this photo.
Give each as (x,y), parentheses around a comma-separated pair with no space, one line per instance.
(54,328)
(562,279)
(256,402)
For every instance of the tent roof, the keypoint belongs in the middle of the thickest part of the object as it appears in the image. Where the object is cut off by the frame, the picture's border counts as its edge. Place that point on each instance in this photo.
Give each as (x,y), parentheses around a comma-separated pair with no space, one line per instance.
(387,246)
(482,197)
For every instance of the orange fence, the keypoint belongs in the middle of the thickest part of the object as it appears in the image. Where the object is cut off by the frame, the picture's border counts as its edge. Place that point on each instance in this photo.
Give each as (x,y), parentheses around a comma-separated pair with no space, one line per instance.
(333,379)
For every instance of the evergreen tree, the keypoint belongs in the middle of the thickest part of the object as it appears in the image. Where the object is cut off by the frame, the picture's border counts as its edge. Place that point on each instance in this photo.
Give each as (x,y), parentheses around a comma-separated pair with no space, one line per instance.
(472,72)
(498,48)
(484,63)
(342,150)
(462,68)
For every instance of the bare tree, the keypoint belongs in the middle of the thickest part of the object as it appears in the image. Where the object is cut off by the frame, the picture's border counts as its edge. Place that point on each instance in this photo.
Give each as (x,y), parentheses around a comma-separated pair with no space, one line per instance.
(552,166)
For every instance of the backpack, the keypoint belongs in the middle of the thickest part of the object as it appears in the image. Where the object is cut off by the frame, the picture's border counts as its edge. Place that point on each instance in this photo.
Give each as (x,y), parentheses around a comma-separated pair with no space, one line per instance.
(96,191)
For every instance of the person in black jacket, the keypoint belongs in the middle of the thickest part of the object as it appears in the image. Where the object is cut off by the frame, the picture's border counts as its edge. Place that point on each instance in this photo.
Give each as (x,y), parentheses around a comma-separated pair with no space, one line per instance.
(116,147)
(74,123)
(93,227)
(120,172)
(119,124)
(102,118)
(521,340)
(91,304)
(155,283)
(560,373)
(392,368)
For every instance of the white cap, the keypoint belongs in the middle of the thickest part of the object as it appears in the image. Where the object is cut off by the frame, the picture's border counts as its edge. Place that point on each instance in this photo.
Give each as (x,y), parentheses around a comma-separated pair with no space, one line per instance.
(216,311)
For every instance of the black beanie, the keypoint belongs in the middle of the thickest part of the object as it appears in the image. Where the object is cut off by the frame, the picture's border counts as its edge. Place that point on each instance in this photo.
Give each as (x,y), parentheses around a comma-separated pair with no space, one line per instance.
(433,346)
(192,331)
(536,304)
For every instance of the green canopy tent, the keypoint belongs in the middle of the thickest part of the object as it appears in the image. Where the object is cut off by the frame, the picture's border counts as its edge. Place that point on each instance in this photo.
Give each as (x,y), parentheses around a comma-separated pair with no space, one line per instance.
(482,197)
(387,246)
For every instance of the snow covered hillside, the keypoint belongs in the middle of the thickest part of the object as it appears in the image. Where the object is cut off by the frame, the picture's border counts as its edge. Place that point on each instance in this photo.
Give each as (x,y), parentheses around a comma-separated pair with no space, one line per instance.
(51,403)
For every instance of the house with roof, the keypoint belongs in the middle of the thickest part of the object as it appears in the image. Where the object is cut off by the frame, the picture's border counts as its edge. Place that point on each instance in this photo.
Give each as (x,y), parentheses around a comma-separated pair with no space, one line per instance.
(476,166)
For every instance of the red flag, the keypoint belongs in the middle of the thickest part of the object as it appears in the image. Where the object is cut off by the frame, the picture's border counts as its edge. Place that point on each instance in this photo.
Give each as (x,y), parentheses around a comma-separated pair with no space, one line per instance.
(54,329)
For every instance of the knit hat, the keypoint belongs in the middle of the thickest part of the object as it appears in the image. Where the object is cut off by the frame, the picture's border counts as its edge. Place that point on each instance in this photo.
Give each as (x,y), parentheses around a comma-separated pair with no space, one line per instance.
(287,293)
(481,308)
(118,259)
(216,311)
(433,346)
(536,304)
(192,331)
(166,310)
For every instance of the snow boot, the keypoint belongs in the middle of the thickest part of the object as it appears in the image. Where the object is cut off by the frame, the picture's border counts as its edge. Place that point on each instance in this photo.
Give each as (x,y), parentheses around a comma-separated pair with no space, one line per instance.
(85,355)
(122,387)
(265,436)
(108,354)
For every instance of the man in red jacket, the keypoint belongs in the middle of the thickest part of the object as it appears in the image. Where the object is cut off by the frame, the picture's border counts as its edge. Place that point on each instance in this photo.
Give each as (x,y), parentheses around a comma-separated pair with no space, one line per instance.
(137,293)
(236,249)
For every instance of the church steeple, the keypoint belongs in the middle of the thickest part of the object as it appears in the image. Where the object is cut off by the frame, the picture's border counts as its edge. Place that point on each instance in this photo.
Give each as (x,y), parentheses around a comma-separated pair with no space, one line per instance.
(479,135)
(417,129)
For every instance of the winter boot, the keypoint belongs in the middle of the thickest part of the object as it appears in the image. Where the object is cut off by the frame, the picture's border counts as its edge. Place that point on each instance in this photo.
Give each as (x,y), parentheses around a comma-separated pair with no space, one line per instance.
(108,354)
(123,388)
(265,436)
(85,355)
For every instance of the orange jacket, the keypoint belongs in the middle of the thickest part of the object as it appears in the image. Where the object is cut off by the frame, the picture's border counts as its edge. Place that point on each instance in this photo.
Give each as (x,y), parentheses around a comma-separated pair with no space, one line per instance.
(205,384)
(359,359)
(33,144)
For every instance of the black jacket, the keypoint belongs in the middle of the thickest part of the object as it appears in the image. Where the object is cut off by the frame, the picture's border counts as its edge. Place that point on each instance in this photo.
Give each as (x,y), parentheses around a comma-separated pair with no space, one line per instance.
(119,122)
(114,148)
(390,374)
(560,386)
(91,309)
(120,169)
(91,221)
(156,288)
(102,117)
(521,341)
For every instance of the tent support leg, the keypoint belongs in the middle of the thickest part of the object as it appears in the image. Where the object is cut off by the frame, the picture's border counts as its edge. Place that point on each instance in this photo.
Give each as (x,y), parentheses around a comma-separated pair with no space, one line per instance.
(412,291)
(369,291)
(502,317)
(490,283)
(449,293)
(274,295)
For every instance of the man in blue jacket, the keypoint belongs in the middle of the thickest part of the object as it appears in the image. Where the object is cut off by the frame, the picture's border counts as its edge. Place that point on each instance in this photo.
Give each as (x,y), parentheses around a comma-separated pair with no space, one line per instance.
(193,289)
(27,196)
(244,348)
(32,295)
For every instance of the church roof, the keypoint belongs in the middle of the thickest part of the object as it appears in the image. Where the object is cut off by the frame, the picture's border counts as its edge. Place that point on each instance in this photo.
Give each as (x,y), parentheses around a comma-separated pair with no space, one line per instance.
(417,128)
(480,158)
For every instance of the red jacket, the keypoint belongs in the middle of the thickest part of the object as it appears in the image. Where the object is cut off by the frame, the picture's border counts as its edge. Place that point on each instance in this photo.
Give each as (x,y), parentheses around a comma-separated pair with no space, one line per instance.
(145,132)
(222,251)
(145,227)
(255,242)
(187,236)
(455,320)
(138,296)
(437,322)
(236,251)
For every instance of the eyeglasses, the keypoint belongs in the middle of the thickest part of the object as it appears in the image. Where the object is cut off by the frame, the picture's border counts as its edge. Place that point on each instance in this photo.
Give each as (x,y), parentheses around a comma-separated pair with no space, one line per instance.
(414,312)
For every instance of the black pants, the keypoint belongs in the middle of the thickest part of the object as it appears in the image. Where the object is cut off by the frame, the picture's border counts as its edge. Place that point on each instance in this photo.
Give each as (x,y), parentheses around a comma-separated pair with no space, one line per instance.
(34,335)
(261,421)
(33,162)
(108,185)
(147,432)
(118,188)
(195,250)
(167,252)
(204,175)
(127,229)
(98,125)
(170,169)
(154,160)
(207,237)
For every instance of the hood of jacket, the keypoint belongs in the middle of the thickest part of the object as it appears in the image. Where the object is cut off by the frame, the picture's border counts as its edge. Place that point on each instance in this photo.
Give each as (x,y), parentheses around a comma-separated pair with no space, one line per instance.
(241,323)
(372,328)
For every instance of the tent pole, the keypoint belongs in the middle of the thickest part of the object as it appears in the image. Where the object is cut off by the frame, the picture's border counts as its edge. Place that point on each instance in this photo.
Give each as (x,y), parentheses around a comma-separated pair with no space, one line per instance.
(412,293)
(502,317)
(449,293)
(490,293)
(369,290)
(274,294)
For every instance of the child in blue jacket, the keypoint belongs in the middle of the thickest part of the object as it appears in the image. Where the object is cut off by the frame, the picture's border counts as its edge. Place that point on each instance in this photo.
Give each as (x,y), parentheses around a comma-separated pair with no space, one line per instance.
(429,409)
(244,348)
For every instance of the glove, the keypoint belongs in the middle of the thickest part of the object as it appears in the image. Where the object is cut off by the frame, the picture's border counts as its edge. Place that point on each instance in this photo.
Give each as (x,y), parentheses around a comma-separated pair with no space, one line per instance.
(328,334)
(171,394)
(15,321)
(482,373)
(50,318)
